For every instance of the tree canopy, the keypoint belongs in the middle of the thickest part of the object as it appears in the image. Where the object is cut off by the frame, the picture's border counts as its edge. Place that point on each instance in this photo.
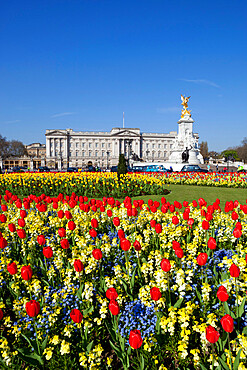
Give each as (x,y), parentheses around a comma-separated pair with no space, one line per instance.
(13,148)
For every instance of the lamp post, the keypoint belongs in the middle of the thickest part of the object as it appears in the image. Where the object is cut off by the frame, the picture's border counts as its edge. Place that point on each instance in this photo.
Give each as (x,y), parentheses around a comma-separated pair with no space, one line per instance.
(107,159)
(128,143)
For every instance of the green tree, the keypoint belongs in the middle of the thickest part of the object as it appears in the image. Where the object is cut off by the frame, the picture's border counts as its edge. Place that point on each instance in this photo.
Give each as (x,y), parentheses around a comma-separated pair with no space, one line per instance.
(230,153)
(122,166)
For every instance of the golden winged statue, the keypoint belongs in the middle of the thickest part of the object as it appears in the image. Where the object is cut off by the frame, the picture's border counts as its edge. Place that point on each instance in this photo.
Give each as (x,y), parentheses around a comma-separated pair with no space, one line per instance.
(184,103)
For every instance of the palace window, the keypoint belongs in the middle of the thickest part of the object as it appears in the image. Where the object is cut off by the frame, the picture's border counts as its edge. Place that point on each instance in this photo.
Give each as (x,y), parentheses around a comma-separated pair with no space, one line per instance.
(89,153)
(103,145)
(90,145)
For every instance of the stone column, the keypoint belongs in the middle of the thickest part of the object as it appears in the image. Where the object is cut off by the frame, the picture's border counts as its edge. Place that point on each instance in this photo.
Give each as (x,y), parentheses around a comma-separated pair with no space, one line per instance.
(48,147)
(31,164)
(1,163)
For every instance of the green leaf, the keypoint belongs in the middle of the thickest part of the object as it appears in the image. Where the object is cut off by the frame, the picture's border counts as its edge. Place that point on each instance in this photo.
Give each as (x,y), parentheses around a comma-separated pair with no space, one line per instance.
(79,291)
(132,281)
(199,296)
(129,351)
(225,366)
(142,367)
(111,331)
(32,343)
(88,310)
(245,330)
(237,359)
(226,308)
(241,308)
(89,346)
(203,367)
(31,358)
(44,343)
(178,303)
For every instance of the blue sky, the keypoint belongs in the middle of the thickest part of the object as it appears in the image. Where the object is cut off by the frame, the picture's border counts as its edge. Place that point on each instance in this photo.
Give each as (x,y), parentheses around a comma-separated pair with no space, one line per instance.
(80,63)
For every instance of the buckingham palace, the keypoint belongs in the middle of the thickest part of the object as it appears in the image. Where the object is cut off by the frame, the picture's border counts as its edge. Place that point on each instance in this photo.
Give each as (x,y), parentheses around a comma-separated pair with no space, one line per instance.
(68,148)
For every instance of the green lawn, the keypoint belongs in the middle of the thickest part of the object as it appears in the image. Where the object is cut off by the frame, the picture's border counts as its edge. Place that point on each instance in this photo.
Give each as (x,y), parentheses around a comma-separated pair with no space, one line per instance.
(191,192)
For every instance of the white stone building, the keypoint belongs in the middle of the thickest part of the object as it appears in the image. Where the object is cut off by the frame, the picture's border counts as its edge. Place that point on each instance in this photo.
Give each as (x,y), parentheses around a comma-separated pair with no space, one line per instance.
(66,148)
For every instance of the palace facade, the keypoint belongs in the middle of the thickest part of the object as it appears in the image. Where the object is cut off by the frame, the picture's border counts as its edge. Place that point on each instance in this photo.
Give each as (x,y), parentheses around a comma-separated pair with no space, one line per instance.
(68,148)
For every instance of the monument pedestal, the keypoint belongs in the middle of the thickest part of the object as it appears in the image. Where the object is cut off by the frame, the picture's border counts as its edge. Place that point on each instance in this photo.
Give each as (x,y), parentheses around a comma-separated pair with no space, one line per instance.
(186,141)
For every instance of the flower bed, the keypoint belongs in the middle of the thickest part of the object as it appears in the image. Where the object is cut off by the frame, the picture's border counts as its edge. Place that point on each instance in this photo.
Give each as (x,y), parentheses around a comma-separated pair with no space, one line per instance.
(91,184)
(103,284)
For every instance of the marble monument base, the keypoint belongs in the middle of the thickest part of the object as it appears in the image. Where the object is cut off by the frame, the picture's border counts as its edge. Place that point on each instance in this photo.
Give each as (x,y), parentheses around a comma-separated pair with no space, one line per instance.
(194,157)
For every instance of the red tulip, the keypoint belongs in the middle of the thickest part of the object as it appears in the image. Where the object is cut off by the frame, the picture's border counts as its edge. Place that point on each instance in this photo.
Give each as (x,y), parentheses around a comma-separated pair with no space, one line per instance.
(109,213)
(23,213)
(155,293)
(125,244)
(190,222)
(111,293)
(1,314)
(121,234)
(21,233)
(32,308)
(212,334)
(21,222)
(47,252)
(234,271)
(205,225)
(158,228)
(3,218)
(114,307)
(97,254)
(76,315)
(26,272)
(4,207)
(137,245)
(78,265)
(62,232)
(165,265)
(222,294)
(93,233)
(64,243)
(135,339)
(12,227)
(202,259)
(12,268)
(234,215)
(179,252)
(41,239)
(175,220)
(116,221)
(68,215)
(211,243)
(71,225)
(94,223)
(60,214)
(175,245)
(3,243)
(194,203)
(227,323)
(237,233)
